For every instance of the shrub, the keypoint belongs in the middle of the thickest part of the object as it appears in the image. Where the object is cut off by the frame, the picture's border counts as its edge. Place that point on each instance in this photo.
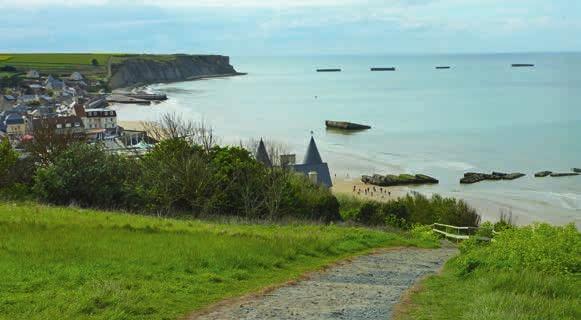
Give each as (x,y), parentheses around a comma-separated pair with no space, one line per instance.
(540,247)
(85,175)
(423,232)
(412,209)
(8,158)
(370,214)
(176,176)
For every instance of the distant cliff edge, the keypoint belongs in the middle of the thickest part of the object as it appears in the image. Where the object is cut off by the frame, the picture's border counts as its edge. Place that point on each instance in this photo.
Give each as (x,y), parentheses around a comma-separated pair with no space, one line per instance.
(142,70)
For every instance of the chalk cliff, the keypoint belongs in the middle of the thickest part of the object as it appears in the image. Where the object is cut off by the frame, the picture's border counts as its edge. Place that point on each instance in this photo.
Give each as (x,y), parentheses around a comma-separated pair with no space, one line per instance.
(141,70)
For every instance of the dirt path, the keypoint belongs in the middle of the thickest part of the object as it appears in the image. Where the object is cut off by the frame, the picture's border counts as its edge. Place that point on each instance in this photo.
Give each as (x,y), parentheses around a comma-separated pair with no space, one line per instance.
(366,288)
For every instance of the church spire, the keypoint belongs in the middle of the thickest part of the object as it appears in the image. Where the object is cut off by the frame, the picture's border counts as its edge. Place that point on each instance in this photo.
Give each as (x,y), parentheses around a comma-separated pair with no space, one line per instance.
(262,154)
(312,156)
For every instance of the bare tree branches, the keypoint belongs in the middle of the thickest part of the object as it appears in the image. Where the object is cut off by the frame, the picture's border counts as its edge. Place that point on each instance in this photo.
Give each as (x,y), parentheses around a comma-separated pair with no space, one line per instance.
(173,126)
(48,141)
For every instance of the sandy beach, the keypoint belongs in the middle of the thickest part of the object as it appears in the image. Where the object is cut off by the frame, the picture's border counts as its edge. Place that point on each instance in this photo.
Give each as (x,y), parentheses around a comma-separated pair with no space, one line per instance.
(345,186)
(132,125)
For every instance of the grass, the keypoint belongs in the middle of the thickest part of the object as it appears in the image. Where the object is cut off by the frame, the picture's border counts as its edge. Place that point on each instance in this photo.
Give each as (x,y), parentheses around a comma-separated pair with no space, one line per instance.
(527,273)
(54,58)
(4,74)
(68,263)
(496,295)
(63,64)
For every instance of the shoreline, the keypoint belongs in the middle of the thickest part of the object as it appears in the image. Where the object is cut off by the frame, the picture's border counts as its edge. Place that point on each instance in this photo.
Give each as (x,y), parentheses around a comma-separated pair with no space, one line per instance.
(142,86)
(551,205)
(489,209)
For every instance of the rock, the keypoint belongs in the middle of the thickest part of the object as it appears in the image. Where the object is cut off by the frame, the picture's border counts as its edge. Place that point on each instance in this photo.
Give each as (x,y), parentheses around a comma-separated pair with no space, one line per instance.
(543,174)
(393,180)
(426,179)
(473,177)
(513,176)
(566,174)
(576,170)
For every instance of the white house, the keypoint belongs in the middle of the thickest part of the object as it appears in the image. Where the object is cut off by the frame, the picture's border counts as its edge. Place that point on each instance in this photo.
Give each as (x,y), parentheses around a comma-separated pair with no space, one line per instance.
(76,76)
(33,74)
(105,119)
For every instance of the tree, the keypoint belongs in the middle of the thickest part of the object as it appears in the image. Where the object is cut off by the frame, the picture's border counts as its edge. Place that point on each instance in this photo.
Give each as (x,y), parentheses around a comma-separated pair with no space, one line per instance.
(95,62)
(176,175)
(48,143)
(86,175)
(171,125)
(8,158)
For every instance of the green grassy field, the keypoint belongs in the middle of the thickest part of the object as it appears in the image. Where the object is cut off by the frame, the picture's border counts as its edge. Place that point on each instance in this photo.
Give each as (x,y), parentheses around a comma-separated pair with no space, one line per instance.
(60,64)
(63,64)
(67,263)
(54,58)
(526,274)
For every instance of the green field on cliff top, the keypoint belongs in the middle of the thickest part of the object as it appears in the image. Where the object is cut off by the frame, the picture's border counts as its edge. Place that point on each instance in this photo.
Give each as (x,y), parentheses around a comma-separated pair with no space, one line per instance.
(66,63)
(68,263)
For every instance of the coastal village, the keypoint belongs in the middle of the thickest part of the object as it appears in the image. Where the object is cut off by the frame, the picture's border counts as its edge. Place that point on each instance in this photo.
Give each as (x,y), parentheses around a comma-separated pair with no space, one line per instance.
(68,107)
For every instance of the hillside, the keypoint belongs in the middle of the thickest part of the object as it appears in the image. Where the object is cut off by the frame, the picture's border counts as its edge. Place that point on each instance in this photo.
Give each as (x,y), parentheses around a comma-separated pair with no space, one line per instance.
(67,263)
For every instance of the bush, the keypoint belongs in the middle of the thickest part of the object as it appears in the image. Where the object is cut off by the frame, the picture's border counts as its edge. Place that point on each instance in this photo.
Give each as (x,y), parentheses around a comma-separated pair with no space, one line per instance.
(407,211)
(87,176)
(539,247)
(8,158)
(423,232)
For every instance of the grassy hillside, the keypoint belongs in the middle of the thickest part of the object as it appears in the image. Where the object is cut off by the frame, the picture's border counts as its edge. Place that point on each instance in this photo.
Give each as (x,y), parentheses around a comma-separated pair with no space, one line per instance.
(66,263)
(527,273)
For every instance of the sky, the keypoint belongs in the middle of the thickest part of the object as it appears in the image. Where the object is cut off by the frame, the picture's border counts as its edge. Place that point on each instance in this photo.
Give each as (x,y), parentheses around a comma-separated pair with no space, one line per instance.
(290,27)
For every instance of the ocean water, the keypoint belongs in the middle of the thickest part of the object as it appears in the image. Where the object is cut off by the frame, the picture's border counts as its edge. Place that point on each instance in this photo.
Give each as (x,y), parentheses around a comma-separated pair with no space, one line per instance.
(480,115)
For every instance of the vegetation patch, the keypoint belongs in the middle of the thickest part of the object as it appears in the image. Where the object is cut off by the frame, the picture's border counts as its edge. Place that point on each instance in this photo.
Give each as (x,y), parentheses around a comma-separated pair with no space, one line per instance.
(408,211)
(531,272)
(68,263)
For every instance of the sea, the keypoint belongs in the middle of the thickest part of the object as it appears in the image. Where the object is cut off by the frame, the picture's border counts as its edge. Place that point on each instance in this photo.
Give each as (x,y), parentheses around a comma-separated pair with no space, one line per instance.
(480,115)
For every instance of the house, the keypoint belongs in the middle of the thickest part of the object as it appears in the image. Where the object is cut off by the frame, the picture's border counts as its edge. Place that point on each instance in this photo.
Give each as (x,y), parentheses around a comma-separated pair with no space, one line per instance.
(313,166)
(33,74)
(15,125)
(28,99)
(71,125)
(53,83)
(97,118)
(7,102)
(76,76)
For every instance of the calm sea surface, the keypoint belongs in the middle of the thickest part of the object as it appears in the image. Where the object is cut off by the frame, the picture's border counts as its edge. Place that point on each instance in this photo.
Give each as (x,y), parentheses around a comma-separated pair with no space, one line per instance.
(480,115)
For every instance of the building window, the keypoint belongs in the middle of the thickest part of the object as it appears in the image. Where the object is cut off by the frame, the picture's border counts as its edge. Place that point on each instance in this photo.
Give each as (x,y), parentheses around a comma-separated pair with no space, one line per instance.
(59,126)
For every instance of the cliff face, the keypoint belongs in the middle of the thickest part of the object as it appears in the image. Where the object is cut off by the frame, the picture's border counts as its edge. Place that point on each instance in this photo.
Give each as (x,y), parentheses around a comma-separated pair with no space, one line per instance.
(146,70)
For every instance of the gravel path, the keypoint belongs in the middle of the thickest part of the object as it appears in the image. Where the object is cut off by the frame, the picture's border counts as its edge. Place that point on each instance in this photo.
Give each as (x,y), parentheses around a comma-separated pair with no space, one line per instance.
(365,288)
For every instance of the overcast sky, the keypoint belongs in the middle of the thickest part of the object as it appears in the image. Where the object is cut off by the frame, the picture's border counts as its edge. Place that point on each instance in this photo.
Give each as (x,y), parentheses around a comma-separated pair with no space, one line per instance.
(290,27)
